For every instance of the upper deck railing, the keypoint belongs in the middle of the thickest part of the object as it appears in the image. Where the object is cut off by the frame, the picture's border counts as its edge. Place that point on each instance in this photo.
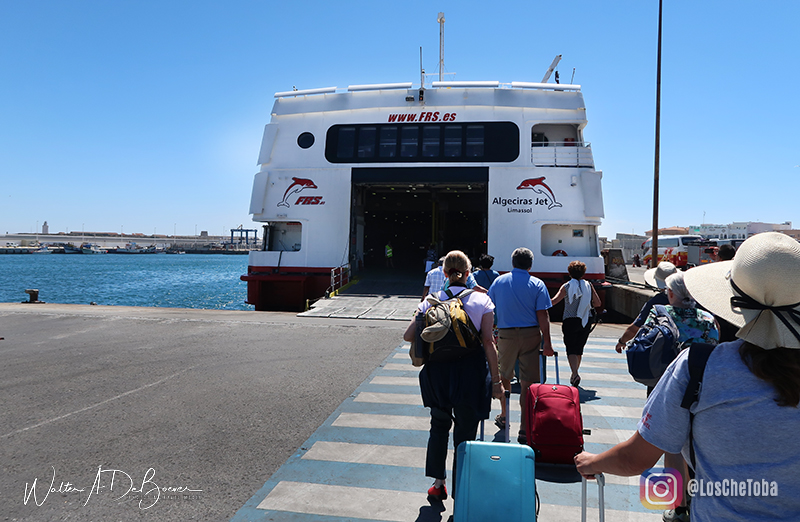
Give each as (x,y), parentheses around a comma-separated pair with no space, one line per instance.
(434,85)
(562,154)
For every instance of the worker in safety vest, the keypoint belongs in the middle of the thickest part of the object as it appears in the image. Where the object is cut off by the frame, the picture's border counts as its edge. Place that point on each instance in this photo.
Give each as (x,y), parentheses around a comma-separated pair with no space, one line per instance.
(388,252)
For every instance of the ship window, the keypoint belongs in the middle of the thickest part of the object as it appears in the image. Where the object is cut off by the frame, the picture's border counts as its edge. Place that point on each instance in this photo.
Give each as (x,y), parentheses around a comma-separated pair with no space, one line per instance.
(409,141)
(474,141)
(430,141)
(496,141)
(366,142)
(347,142)
(388,144)
(452,141)
(305,140)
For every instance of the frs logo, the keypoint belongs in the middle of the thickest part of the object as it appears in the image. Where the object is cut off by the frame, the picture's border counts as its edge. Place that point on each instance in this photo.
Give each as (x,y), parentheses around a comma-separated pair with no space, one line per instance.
(309,200)
(299,185)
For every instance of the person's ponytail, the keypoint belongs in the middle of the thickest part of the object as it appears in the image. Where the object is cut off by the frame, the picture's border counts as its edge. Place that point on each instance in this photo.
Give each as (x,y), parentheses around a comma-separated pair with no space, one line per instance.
(456,265)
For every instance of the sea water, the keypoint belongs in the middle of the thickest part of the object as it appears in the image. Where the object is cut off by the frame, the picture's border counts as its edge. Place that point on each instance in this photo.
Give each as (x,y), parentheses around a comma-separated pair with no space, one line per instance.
(208,281)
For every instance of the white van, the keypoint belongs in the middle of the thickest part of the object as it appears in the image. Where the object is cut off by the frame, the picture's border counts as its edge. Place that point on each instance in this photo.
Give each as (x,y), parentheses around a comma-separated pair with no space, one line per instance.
(670,248)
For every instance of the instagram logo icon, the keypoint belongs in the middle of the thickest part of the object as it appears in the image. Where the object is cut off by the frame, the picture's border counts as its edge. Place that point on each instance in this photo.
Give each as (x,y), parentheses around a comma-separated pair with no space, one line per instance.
(661,488)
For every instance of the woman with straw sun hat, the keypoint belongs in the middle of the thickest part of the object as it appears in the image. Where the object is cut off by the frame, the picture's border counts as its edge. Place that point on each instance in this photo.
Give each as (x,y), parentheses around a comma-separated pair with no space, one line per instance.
(745,422)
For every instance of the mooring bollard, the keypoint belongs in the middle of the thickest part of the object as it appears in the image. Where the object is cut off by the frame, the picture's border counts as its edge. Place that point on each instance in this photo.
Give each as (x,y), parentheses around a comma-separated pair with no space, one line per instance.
(34,296)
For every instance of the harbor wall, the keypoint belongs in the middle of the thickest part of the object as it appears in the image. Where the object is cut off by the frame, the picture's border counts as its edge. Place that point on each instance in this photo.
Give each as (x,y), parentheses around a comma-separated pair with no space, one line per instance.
(625,302)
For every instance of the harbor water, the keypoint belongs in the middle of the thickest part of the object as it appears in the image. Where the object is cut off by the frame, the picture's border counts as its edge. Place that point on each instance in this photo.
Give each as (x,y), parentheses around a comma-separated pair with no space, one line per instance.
(161,280)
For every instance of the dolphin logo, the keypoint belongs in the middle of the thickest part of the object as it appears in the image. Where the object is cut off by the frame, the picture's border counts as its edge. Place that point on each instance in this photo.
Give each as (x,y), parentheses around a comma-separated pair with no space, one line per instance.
(298,185)
(540,187)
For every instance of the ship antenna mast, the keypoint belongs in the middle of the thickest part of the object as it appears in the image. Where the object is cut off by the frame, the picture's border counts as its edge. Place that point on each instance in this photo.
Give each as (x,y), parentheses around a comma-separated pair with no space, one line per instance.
(551,68)
(440,19)
(421,70)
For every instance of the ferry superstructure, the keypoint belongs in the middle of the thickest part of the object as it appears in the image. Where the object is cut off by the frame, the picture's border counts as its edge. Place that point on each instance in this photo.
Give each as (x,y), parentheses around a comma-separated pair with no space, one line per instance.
(475,166)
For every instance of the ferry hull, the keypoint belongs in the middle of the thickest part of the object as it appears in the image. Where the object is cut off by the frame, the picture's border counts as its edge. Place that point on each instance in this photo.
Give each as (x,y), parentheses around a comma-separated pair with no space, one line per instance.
(345,177)
(285,289)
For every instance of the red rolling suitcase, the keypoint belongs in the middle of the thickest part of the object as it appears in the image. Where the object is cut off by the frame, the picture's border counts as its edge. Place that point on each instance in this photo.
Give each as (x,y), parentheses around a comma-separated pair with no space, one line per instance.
(554,426)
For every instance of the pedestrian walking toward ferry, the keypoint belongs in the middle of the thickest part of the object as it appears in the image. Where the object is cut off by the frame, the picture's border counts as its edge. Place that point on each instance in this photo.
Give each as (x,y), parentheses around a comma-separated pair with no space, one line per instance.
(458,391)
(436,280)
(430,258)
(694,325)
(521,302)
(486,276)
(740,425)
(579,298)
(655,277)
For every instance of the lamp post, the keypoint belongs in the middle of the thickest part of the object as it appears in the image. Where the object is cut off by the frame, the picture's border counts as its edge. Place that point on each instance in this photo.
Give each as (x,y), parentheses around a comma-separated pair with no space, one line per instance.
(654,254)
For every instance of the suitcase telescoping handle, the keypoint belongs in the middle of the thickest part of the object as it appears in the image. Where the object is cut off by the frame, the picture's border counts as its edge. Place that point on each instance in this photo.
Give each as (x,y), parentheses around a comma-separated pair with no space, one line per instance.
(601,482)
(542,365)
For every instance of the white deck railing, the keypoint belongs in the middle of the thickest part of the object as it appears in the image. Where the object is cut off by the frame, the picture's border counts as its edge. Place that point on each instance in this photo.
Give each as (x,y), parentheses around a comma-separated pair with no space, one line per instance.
(340,276)
(562,154)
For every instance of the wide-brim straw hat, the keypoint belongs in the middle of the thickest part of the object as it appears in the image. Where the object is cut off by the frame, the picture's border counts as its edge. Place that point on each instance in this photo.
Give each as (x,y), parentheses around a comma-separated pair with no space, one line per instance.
(656,276)
(758,291)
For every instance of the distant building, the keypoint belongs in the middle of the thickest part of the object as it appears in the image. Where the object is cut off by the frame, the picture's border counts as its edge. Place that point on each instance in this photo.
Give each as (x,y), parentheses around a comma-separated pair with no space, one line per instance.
(670,231)
(45,228)
(738,230)
(792,233)
(630,244)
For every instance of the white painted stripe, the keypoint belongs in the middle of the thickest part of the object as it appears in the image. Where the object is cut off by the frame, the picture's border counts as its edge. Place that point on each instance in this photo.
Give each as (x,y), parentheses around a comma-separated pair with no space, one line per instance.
(400,366)
(345,502)
(402,456)
(623,481)
(558,513)
(628,393)
(603,436)
(615,365)
(389,398)
(383,422)
(628,412)
(395,381)
(604,354)
(593,376)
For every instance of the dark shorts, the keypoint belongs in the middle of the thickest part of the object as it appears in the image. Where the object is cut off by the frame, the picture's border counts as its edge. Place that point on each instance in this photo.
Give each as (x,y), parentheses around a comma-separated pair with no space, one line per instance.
(575,335)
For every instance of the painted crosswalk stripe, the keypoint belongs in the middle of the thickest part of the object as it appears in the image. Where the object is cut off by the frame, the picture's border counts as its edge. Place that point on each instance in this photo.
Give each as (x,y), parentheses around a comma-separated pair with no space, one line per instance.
(395,381)
(389,398)
(341,501)
(383,422)
(380,455)
(611,411)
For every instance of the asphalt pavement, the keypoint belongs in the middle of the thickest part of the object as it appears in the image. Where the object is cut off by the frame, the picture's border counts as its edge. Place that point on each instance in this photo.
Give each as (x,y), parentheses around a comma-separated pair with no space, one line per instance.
(203,405)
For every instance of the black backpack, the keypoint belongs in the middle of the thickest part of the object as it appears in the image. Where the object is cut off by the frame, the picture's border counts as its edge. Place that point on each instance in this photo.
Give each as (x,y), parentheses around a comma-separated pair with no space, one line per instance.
(653,349)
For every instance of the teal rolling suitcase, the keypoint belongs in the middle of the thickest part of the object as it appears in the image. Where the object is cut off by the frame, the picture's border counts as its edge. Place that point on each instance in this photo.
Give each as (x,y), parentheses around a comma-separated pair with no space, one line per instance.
(495,482)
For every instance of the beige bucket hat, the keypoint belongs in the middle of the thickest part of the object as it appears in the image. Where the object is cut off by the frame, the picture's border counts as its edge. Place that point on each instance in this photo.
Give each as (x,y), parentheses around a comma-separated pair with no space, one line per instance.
(655,277)
(759,290)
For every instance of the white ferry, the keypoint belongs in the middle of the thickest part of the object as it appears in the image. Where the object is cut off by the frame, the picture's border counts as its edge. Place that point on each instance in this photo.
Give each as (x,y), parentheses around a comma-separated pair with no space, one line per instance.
(477,166)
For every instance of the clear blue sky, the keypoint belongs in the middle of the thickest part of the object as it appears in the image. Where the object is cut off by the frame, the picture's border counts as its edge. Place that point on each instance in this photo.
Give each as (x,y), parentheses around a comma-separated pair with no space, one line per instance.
(147,115)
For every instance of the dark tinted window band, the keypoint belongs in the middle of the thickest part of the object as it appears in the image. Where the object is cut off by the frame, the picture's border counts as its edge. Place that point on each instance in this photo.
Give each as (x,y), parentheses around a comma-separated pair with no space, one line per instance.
(494,141)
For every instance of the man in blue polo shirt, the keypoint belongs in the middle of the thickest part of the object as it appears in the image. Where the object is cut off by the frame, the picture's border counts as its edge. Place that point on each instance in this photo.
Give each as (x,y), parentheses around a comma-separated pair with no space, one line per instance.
(521,304)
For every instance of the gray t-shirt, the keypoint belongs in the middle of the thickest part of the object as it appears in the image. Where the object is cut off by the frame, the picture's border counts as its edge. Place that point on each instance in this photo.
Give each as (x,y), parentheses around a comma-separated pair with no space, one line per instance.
(739,433)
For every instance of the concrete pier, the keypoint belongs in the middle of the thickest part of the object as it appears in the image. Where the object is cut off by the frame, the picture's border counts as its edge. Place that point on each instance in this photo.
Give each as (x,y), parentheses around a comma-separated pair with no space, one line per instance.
(250,415)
